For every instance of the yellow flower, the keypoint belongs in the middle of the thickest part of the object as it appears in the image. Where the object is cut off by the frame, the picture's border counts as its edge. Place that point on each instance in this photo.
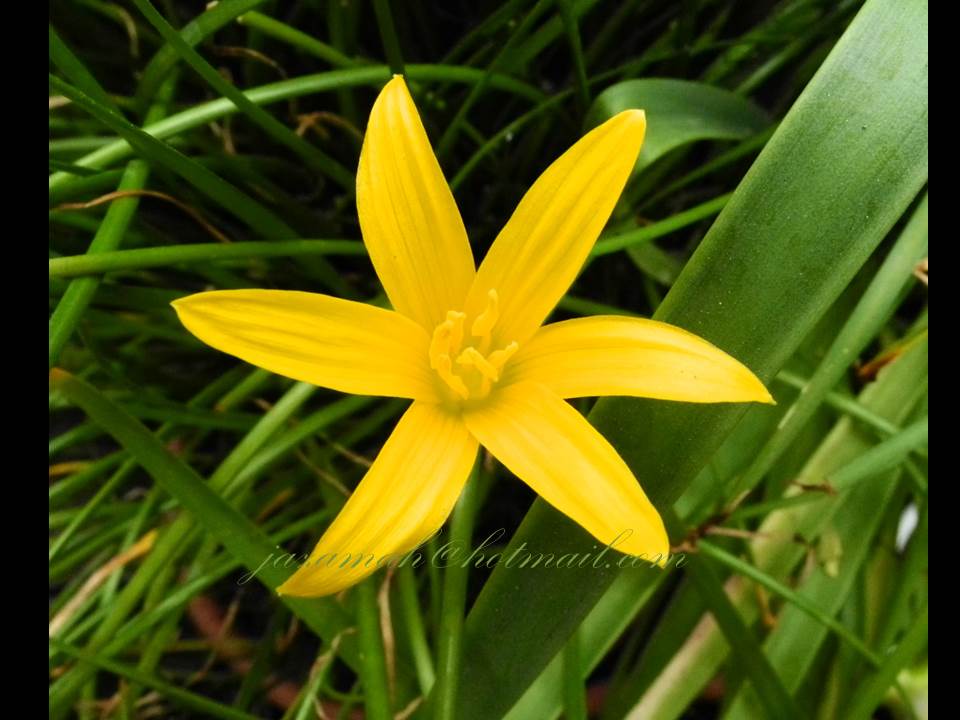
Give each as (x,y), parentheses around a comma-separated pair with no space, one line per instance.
(468,347)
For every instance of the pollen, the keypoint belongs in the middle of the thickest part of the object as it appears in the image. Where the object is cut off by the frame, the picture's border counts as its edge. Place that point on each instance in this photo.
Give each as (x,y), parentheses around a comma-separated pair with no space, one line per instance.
(466,365)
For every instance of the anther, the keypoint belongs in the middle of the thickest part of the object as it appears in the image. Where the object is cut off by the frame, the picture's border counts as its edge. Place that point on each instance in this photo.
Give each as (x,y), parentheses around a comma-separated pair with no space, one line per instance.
(471,357)
(488,318)
(444,369)
(498,358)
(446,338)
(469,372)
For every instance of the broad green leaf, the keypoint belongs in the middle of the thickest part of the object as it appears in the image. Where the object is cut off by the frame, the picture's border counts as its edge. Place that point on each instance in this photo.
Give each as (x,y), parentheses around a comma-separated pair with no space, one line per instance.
(679,112)
(632,589)
(841,169)
(874,309)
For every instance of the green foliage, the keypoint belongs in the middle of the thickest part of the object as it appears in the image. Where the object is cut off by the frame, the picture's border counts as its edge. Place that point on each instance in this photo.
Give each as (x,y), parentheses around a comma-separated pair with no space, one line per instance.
(778,209)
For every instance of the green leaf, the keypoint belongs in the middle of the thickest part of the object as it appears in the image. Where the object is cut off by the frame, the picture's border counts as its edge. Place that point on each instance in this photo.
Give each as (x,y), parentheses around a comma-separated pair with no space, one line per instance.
(238,534)
(112,151)
(774,697)
(71,66)
(796,639)
(871,693)
(886,455)
(110,232)
(203,25)
(102,262)
(184,698)
(896,391)
(679,112)
(873,309)
(830,184)
(216,188)
(628,594)
(310,155)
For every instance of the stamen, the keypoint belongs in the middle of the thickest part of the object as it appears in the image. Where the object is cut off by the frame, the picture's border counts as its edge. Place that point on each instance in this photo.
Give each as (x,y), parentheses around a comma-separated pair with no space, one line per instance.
(456,334)
(446,338)
(472,375)
(488,318)
(471,357)
(498,358)
(445,371)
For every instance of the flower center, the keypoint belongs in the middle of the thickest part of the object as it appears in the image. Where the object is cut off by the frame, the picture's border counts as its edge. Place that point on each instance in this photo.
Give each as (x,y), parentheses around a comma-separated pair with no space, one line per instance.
(466,365)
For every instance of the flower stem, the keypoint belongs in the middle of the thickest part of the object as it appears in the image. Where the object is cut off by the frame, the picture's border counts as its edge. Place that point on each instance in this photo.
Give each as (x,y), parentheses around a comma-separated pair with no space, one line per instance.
(413,618)
(373,664)
(450,637)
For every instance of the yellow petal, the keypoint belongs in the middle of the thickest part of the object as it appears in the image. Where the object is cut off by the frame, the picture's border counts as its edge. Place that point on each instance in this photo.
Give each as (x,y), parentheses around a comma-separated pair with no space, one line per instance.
(347,346)
(410,222)
(546,443)
(542,247)
(610,355)
(404,499)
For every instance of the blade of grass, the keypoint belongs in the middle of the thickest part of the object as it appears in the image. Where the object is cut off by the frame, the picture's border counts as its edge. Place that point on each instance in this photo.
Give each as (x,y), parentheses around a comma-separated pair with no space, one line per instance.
(413,619)
(871,693)
(311,155)
(896,391)
(795,598)
(206,505)
(60,166)
(574,693)
(244,539)
(202,26)
(297,38)
(449,136)
(140,258)
(113,150)
(769,687)
(915,567)
(632,238)
(572,29)
(627,596)
(388,36)
(844,404)
(883,456)
(71,66)
(795,641)
(184,698)
(109,234)
(223,193)
(545,35)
